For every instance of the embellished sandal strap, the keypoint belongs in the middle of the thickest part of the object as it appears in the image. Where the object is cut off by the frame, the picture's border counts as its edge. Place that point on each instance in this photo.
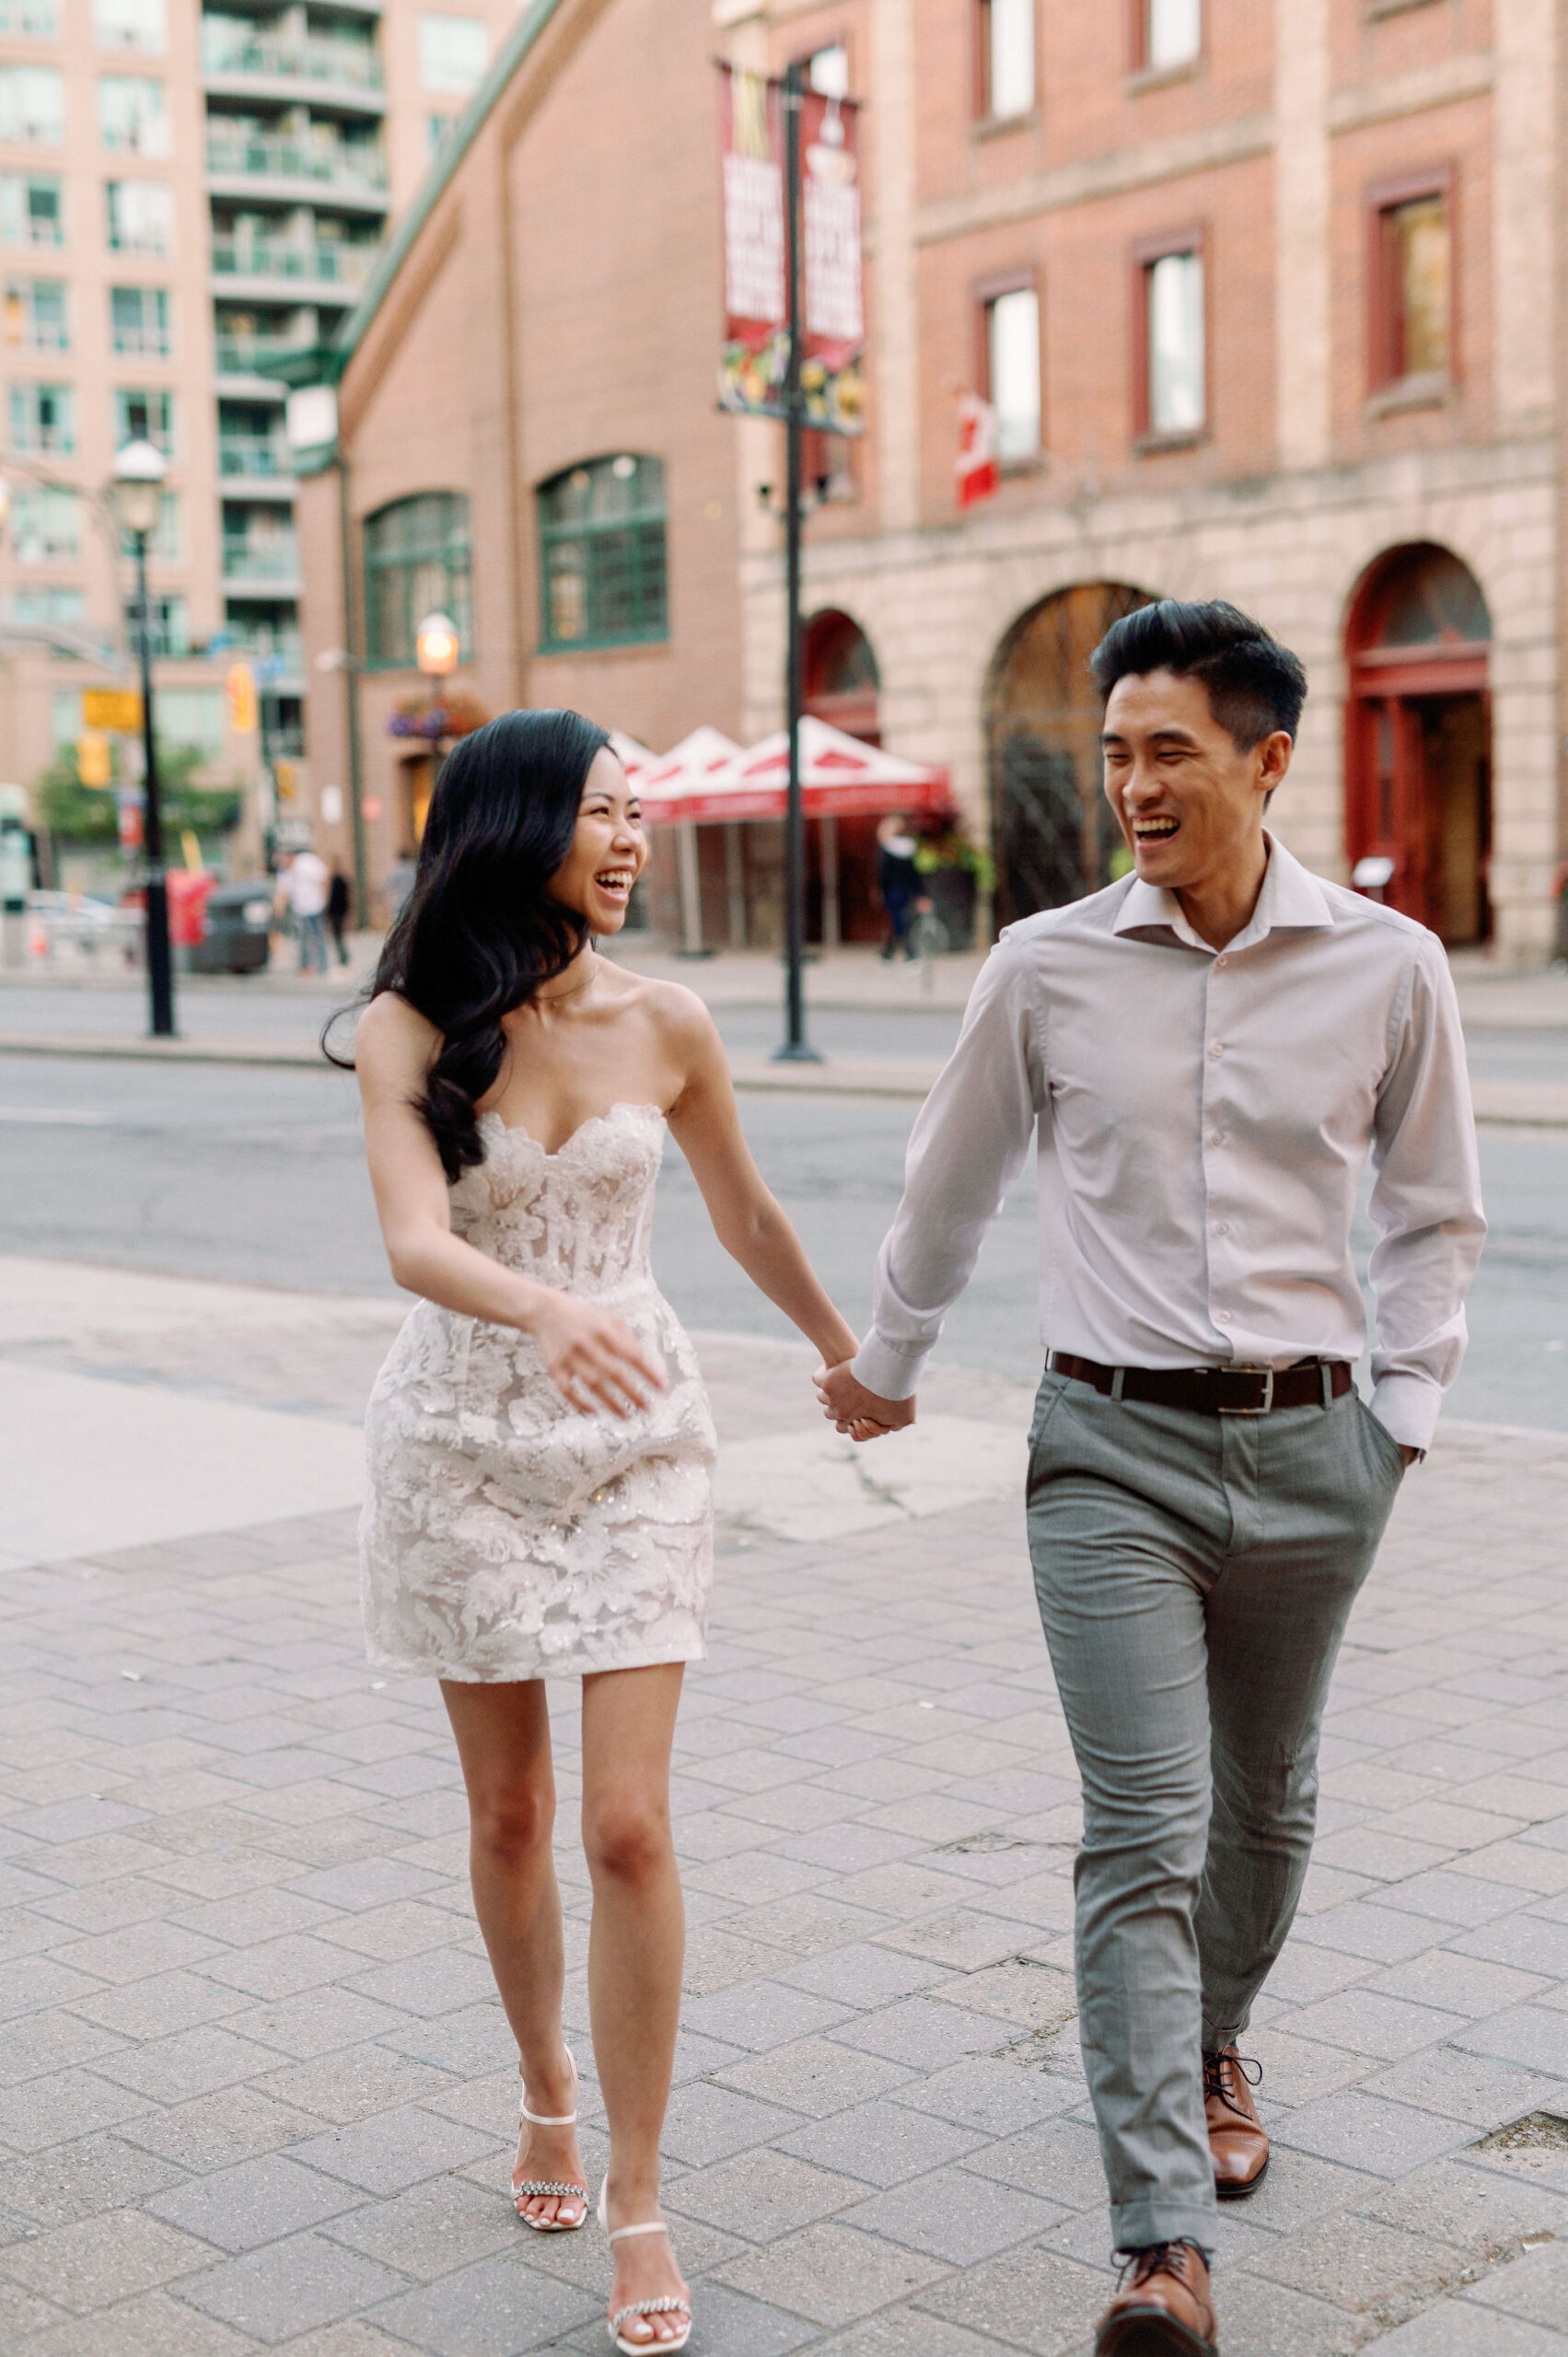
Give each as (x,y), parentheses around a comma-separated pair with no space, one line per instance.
(666,2306)
(530,2187)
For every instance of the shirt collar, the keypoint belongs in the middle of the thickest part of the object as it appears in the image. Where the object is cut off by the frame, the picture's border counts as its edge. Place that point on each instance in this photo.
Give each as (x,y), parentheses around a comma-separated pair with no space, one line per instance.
(1292,899)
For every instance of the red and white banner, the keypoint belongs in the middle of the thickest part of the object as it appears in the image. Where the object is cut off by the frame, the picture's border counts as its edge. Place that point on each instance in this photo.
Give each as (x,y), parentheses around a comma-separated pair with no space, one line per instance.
(978,465)
(755,357)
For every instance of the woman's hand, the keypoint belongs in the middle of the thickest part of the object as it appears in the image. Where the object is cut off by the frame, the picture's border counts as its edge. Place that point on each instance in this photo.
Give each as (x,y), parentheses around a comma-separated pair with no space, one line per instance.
(593,1358)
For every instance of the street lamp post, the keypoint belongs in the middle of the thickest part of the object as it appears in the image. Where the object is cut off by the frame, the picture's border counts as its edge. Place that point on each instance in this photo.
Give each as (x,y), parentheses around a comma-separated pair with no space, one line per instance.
(138,491)
(435,650)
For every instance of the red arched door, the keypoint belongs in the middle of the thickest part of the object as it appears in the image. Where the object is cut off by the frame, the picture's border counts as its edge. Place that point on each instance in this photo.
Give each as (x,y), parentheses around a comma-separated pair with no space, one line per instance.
(1418,737)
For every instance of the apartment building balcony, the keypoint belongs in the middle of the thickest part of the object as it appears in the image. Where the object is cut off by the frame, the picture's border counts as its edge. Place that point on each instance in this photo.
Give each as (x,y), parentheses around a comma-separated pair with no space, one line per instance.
(277,269)
(252,357)
(342,76)
(255,466)
(268,568)
(248,166)
(245,644)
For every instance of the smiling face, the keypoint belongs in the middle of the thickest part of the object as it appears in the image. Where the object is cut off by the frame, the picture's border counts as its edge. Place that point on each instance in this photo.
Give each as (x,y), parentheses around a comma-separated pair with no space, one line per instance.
(609,850)
(1189,804)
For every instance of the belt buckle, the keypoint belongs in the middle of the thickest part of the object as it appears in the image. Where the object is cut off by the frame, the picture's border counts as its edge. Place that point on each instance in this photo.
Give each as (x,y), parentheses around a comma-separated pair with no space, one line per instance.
(1265,1404)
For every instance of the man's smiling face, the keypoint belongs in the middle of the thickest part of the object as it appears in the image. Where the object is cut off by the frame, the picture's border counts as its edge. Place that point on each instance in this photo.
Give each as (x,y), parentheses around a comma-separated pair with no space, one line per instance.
(1189,804)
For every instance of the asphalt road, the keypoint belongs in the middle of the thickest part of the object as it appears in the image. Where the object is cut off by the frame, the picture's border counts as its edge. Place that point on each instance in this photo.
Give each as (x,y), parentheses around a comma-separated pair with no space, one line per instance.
(256,1175)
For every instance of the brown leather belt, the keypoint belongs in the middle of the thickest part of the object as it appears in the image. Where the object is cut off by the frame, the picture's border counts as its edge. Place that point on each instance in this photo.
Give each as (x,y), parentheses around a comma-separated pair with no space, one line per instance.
(1212,1390)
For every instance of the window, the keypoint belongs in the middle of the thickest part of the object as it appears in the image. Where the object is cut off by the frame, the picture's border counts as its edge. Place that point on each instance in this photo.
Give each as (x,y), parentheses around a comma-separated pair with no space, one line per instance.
(130,115)
(193,717)
(453,53)
(602,554)
(1413,283)
(1169,34)
(45,606)
(32,210)
(171,632)
(130,24)
(1012,371)
(35,315)
(45,524)
(33,19)
(32,106)
(1006,59)
(827,71)
(145,417)
(163,540)
(1173,370)
(416,562)
(41,419)
(138,318)
(140,216)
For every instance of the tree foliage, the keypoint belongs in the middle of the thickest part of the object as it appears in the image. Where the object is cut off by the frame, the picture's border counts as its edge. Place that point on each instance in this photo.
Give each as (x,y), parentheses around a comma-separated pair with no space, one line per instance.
(85,814)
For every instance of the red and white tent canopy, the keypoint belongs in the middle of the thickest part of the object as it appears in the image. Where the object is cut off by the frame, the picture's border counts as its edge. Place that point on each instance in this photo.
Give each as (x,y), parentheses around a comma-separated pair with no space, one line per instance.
(842,777)
(635,759)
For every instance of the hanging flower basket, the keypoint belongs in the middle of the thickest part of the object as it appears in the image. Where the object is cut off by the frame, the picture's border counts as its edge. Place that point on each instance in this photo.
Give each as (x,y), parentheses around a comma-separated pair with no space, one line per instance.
(435,718)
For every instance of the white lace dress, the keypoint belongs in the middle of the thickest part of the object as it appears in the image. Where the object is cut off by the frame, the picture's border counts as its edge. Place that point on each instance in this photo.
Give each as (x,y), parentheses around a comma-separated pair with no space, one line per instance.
(505,1536)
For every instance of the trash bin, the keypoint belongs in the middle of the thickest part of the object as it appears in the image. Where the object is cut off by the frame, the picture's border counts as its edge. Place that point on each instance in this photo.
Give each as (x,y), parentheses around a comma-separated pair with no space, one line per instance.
(239,920)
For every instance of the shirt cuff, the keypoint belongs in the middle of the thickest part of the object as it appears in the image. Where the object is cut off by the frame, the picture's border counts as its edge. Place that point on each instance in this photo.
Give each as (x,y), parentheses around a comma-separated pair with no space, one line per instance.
(890,1372)
(1407,1407)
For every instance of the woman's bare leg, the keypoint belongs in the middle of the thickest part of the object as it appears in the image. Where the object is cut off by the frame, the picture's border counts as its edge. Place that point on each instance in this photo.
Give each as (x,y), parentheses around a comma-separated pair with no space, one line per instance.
(503,1736)
(635,1958)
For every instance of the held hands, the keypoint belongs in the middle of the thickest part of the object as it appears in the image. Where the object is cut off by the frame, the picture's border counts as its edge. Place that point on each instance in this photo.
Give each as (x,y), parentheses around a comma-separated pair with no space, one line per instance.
(593,1359)
(862,1415)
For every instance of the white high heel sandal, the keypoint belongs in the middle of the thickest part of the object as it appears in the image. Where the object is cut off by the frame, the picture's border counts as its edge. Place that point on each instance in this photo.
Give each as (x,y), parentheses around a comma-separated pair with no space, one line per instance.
(671,2304)
(533,2189)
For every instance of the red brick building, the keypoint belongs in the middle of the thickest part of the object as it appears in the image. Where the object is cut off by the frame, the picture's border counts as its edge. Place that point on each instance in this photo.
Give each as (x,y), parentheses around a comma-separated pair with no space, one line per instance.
(1264,296)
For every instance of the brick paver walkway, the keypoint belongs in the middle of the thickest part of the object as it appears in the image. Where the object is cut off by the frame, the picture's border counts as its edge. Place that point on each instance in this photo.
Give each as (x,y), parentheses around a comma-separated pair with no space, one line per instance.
(257,2091)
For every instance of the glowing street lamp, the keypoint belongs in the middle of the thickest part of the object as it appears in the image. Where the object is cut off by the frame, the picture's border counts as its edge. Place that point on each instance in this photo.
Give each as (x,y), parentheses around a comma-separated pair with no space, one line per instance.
(435,645)
(137,493)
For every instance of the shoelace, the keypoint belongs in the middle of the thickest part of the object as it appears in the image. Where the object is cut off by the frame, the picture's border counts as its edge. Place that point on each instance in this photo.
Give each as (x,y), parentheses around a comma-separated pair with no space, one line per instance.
(1160,2259)
(1216,2082)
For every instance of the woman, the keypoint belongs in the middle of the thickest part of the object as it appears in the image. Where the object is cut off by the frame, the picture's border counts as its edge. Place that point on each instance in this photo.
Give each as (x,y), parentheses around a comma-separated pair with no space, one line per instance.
(538,1443)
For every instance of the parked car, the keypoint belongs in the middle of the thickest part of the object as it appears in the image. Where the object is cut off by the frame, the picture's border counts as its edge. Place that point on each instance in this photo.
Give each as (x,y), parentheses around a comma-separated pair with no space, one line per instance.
(236,939)
(90,923)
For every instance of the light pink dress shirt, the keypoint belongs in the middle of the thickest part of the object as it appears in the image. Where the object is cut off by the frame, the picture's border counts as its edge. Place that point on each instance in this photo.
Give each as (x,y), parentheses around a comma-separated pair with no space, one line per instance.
(1202,1120)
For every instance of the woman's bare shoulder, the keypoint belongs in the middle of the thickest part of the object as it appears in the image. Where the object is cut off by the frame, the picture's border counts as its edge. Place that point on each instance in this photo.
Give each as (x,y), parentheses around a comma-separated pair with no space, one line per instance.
(391,1036)
(676,1012)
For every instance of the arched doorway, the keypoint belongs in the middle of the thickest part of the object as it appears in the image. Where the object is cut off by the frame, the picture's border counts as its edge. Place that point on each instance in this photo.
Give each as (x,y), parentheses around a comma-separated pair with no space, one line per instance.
(1417,736)
(1052,830)
(842,687)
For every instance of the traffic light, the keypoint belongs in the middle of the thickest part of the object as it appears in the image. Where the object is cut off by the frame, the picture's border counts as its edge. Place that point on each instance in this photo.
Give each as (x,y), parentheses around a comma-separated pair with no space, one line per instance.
(241,700)
(94,759)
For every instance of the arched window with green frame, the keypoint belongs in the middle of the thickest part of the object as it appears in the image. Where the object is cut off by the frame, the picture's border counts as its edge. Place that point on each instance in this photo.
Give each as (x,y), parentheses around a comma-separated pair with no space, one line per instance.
(601,543)
(416,562)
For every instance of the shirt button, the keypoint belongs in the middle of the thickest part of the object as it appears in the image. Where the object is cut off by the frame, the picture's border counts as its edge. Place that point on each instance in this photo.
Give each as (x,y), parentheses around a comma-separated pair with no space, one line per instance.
(1216,1051)
(1222,1227)
(1221,1317)
(1218,1138)
(1221,961)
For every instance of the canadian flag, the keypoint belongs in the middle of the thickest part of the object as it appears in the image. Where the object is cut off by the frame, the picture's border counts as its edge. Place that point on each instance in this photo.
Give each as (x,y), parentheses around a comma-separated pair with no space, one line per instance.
(976,466)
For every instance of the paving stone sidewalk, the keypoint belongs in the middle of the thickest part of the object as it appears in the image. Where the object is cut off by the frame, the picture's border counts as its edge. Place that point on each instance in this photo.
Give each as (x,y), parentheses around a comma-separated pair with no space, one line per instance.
(256,2091)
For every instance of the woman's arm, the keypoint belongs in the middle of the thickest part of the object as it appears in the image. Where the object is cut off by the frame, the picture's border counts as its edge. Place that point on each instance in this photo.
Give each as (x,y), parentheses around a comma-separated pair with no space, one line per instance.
(747,1221)
(590,1356)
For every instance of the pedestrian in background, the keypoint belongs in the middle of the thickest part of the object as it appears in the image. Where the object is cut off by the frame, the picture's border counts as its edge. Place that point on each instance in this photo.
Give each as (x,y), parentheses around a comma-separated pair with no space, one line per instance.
(302,890)
(538,1445)
(337,910)
(897,880)
(1210,1049)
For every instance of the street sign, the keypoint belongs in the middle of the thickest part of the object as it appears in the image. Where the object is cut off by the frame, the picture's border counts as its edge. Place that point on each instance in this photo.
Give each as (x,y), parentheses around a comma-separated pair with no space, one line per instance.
(242,684)
(94,762)
(117,708)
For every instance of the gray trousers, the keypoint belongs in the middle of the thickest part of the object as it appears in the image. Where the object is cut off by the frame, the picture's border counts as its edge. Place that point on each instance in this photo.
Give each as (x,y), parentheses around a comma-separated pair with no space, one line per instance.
(1194,1576)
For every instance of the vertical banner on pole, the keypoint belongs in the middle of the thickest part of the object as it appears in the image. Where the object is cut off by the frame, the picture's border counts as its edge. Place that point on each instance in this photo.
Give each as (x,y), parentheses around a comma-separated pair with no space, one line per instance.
(832,381)
(755,358)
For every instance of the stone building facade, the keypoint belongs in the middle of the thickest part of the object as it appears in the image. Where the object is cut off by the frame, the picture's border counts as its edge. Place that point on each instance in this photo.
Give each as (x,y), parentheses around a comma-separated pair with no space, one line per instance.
(1265,295)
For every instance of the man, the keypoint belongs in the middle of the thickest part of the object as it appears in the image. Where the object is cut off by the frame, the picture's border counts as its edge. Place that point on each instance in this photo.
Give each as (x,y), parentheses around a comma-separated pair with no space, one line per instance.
(897,880)
(1210,1048)
(302,889)
(338,901)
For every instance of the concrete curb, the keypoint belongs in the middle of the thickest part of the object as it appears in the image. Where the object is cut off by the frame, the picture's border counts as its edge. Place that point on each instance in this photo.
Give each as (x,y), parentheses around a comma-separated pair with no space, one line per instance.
(1501,1104)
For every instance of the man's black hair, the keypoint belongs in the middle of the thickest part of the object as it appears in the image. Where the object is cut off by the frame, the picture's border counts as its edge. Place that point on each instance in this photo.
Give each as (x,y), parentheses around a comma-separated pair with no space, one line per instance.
(1254,684)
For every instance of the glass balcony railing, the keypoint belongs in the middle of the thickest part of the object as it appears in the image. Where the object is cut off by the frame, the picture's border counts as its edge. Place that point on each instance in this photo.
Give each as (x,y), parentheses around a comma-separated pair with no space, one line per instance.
(331,264)
(351,63)
(283,646)
(251,454)
(261,560)
(254,155)
(252,355)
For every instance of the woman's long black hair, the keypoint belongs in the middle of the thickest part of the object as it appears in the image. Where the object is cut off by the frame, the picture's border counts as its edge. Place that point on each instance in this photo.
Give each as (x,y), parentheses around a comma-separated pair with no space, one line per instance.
(479,932)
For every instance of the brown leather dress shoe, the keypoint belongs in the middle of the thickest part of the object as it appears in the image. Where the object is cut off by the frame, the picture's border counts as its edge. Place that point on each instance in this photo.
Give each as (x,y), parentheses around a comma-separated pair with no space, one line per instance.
(1163,2308)
(1238,2141)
